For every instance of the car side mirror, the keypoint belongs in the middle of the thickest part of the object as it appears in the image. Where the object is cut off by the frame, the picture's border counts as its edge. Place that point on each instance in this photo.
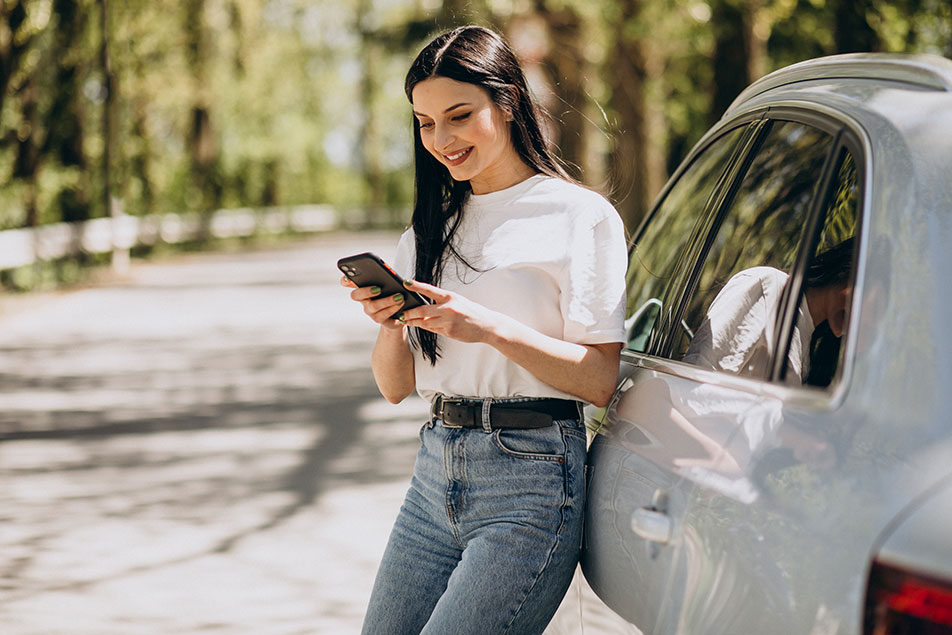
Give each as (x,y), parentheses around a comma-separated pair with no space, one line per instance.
(639,325)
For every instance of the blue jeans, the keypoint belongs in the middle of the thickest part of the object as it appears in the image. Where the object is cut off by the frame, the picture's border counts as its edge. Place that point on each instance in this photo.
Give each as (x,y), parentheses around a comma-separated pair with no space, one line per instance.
(488,537)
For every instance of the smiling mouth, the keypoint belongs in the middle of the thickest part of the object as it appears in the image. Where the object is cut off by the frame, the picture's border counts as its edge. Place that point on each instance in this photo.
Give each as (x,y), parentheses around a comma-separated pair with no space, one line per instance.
(458,157)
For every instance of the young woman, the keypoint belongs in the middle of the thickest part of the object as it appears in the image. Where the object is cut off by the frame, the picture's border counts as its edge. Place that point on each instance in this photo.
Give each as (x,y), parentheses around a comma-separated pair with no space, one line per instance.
(525,270)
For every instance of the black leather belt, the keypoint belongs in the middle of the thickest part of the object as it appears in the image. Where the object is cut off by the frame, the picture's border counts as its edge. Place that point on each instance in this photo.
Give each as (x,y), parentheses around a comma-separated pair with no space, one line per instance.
(463,412)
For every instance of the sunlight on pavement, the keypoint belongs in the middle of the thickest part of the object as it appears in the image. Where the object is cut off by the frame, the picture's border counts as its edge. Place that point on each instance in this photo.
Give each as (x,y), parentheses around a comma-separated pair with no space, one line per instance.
(200,447)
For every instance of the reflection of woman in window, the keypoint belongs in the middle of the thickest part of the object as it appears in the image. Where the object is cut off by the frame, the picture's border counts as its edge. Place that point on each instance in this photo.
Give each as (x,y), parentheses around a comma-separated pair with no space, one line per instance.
(737,334)
(828,287)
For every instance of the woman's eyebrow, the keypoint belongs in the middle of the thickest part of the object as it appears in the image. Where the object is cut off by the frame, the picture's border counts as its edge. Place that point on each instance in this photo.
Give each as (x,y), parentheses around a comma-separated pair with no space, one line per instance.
(453,107)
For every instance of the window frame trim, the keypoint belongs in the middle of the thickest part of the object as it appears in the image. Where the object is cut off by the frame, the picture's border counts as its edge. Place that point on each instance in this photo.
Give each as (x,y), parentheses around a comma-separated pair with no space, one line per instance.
(809,237)
(849,136)
(713,216)
(750,123)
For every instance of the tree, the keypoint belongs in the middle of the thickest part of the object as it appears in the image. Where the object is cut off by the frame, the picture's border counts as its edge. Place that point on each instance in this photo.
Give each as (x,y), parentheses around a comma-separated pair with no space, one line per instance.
(852,31)
(14,42)
(731,46)
(567,65)
(201,139)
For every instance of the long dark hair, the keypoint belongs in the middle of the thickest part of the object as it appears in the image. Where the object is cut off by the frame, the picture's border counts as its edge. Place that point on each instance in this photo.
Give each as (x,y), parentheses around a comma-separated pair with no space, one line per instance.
(478,56)
(833,266)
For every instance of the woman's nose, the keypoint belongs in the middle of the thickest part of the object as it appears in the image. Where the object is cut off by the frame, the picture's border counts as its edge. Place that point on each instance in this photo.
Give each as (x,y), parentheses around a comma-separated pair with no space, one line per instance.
(443,139)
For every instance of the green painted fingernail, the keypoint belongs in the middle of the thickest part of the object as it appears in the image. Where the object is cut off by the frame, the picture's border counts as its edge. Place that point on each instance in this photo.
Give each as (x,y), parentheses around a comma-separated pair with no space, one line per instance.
(398,298)
(402,319)
(375,290)
(408,283)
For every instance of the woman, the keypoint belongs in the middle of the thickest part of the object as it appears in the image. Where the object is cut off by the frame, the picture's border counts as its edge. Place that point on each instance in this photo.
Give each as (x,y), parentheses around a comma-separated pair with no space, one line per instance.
(525,270)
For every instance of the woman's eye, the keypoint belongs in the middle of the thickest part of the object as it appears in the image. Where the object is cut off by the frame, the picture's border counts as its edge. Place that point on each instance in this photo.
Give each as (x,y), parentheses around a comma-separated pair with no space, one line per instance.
(425,125)
(461,117)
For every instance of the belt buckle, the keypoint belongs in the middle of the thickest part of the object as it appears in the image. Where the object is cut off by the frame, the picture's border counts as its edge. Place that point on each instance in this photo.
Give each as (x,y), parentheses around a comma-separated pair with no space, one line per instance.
(442,415)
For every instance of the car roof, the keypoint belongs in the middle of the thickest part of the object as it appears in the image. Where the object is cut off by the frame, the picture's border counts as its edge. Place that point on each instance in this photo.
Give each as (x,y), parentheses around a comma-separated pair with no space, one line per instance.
(917,71)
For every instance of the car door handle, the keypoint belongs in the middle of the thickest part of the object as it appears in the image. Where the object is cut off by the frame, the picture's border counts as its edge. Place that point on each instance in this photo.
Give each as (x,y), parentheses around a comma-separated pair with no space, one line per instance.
(651,524)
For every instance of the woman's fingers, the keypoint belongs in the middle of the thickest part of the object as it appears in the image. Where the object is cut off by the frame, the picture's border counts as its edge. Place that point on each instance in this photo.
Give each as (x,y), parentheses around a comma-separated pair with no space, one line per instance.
(378,308)
(381,309)
(434,293)
(362,294)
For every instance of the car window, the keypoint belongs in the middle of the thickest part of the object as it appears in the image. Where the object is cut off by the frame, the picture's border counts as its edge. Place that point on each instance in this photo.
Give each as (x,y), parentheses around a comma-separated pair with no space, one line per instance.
(655,256)
(730,318)
(828,279)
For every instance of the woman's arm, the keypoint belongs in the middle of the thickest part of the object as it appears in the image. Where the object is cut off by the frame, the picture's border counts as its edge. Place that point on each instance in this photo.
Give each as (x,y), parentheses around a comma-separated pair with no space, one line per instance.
(392,361)
(588,371)
(392,364)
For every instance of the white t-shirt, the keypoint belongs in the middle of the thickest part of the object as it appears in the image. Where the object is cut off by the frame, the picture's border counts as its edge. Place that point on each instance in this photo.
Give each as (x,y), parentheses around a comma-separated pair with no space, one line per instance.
(737,334)
(546,252)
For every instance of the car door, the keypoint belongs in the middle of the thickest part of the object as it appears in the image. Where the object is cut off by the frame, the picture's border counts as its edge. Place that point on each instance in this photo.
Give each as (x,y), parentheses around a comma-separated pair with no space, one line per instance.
(625,473)
(682,428)
(746,556)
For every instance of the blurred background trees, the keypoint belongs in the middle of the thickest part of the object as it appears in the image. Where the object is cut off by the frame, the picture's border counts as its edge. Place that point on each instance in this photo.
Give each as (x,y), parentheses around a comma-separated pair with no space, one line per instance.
(192,105)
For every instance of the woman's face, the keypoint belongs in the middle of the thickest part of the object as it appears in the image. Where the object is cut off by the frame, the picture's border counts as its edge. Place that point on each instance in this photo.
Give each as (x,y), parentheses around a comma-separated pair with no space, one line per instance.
(466,132)
(830,303)
(839,305)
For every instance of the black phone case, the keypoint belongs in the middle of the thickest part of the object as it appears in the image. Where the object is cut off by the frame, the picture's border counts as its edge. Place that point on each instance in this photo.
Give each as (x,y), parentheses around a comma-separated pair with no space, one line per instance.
(368,270)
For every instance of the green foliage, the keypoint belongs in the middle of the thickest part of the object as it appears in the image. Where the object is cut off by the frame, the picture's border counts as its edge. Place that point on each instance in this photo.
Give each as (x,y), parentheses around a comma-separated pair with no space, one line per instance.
(276,102)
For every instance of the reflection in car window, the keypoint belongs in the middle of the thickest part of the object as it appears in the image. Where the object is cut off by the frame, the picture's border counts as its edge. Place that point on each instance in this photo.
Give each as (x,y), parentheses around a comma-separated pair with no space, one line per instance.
(655,256)
(835,252)
(730,318)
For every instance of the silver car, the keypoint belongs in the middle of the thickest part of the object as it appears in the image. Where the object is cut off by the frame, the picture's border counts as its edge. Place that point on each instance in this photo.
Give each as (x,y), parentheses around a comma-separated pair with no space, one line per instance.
(778,455)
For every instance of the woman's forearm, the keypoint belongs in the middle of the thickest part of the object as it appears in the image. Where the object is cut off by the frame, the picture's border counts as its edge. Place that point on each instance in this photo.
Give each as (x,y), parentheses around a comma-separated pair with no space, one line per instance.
(587,371)
(392,364)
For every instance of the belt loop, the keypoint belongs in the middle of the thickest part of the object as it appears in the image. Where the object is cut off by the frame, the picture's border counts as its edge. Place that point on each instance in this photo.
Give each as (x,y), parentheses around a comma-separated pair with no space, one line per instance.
(436,408)
(487,423)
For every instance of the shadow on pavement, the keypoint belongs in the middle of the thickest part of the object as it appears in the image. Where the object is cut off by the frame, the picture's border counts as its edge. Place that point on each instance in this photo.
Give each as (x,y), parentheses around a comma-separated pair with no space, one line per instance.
(212,458)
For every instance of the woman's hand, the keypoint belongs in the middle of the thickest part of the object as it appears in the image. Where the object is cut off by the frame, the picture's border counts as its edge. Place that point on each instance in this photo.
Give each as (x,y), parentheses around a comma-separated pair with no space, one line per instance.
(450,315)
(378,309)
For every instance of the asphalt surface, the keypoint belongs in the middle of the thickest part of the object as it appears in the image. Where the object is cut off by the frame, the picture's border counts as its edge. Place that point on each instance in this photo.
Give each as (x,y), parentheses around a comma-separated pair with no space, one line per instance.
(198,447)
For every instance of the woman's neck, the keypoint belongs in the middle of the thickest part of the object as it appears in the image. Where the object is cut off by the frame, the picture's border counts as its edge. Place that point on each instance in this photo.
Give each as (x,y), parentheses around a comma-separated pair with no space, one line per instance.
(515,173)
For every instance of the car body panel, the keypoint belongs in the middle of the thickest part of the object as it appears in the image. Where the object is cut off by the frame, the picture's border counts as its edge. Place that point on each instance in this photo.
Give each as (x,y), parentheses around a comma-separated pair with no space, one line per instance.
(780,497)
(921,542)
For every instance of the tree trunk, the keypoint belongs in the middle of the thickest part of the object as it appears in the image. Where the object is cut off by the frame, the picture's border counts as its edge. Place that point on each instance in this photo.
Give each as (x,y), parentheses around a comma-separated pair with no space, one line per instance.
(628,69)
(26,160)
(370,142)
(730,61)
(566,64)
(140,161)
(109,96)
(200,138)
(12,44)
(756,33)
(852,32)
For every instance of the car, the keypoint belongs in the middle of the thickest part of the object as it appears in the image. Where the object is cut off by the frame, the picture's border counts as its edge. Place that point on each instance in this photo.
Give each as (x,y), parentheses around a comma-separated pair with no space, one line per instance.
(777,457)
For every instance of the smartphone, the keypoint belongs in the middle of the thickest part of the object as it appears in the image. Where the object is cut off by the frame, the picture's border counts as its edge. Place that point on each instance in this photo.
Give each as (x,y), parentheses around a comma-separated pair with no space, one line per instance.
(369,270)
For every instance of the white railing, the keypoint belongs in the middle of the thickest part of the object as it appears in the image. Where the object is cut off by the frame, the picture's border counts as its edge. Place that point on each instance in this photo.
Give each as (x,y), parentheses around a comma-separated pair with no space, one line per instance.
(118,234)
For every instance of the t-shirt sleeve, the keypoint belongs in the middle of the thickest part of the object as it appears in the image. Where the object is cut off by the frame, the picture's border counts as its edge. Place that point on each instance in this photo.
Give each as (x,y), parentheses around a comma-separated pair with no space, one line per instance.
(740,319)
(737,320)
(593,282)
(404,260)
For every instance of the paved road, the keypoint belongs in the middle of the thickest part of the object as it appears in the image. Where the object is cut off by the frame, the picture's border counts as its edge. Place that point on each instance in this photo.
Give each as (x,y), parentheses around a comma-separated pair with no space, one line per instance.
(198,447)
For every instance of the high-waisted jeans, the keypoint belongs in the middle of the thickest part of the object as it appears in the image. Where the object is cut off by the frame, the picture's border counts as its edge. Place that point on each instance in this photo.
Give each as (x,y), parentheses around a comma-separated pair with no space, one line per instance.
(488,537)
